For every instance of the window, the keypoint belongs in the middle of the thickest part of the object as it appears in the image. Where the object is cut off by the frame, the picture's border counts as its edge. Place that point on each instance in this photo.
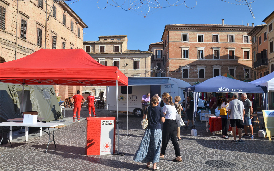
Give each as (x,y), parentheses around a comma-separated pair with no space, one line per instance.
(216,72)
(246,39)
(260,40)
(271,46)
(136,64)
(270,27)
(185,37)
(232,72)
(254,55)
(102,49)
(64,19)
(40,3)
(71,25)
(201,73)
(231,38)
(185,73)
(247,73)
(78,32)
(159,66)
(200,38)
(185,53)
(254,39)
(102,61)
(216,54)
(215,38)
(64,45)
(2,18)
(23,34)
(158,54)
(39,37)
(272,67)
(265,36)
(124,90)
(200,54)
(231,54)
(54,11)
(88,49)
(246,54)
(54,38)
(116,48)
(116,62)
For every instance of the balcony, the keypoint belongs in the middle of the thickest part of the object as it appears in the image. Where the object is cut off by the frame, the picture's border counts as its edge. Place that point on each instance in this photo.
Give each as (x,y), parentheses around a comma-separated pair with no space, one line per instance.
(261,63)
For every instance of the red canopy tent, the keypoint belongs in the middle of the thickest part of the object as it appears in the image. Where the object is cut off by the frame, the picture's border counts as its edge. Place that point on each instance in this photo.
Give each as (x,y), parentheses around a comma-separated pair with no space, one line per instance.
(60,67)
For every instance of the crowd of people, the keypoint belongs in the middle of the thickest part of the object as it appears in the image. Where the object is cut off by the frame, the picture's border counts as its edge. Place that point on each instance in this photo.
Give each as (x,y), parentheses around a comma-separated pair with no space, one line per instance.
(163,125)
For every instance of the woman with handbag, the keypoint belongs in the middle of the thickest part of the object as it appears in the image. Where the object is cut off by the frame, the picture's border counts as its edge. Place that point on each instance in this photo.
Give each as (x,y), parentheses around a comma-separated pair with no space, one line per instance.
(170,129)
(149,149)
(179,109)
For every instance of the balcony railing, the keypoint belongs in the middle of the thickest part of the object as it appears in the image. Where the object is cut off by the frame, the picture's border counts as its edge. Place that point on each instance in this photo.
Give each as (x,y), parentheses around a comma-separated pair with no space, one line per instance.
(261,62)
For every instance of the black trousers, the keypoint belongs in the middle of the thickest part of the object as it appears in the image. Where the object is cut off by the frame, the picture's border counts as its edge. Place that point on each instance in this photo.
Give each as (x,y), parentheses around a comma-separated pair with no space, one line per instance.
(170,132)
(224,126)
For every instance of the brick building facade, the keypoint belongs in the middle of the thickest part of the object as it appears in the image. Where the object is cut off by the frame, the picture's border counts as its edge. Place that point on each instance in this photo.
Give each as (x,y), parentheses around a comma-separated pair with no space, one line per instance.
(35,24)
(157,59)
(197,52)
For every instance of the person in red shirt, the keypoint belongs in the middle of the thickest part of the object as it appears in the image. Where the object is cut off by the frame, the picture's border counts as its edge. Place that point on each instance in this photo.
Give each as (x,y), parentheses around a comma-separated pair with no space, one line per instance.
(91,99)
(78,100)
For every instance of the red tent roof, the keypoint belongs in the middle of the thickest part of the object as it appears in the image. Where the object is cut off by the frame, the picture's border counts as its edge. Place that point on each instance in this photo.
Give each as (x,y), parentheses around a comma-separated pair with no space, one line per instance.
(60,67)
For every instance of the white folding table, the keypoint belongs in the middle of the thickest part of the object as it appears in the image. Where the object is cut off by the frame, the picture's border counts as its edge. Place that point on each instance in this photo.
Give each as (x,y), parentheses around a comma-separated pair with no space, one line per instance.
(38,124)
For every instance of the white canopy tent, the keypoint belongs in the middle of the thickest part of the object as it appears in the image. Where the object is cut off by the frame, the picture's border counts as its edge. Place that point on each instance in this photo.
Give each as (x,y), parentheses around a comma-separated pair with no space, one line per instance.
(268,82)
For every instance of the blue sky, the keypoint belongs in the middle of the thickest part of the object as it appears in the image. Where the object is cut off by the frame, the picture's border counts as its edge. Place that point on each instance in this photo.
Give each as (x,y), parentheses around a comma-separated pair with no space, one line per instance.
(142,31)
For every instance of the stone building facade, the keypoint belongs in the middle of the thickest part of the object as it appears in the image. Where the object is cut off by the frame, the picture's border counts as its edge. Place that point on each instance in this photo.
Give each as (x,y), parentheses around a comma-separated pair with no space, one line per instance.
(35,24)
(112,51)
(197,52)
(259,51)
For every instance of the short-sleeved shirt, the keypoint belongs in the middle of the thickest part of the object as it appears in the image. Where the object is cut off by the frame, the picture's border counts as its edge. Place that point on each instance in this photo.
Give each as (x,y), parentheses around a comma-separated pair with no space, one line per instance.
(78,99)
(90,99)
(236,109)
(247,103)
(170,112)
(213,99)
(146,99)
(154,117)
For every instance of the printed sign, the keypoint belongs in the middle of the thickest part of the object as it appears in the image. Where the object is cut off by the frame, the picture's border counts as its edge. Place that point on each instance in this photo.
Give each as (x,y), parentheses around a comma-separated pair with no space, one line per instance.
(107,137)
(268,113)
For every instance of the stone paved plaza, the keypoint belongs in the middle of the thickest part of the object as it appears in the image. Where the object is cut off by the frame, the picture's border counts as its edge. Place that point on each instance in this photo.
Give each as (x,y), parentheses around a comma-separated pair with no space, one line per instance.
(204,152)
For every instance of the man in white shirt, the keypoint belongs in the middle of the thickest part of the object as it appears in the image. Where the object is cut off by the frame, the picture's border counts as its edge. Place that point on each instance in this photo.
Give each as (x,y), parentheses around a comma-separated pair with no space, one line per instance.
(236,116)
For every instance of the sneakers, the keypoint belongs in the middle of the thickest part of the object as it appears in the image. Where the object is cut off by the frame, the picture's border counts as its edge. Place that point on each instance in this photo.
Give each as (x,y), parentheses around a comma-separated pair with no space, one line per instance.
(234,141)
(226,137)
(240,141)
(251,137)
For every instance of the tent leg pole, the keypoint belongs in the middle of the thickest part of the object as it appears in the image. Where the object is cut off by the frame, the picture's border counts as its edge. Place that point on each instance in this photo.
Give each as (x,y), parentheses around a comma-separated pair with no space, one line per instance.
(117,123)
(127,110)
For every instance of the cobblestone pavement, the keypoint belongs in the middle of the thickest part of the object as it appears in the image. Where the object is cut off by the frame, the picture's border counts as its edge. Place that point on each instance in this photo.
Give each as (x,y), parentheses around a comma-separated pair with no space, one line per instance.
(204,152)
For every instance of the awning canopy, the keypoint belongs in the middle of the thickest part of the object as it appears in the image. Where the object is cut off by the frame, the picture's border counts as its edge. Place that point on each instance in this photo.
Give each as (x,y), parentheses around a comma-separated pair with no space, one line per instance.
(60,67)
(221,84)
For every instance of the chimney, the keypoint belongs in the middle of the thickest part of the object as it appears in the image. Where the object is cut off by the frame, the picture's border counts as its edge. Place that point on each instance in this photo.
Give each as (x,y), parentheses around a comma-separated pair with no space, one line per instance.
(223,22)
(252,24)
(247,24)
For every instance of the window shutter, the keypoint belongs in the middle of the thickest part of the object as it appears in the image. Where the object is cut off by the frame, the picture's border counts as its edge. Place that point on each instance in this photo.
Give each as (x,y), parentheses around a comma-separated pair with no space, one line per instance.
(54,11)
(106,63)
(2,18)
(186,54)
(245,54)
(22,29)
(138,64)
(54,42)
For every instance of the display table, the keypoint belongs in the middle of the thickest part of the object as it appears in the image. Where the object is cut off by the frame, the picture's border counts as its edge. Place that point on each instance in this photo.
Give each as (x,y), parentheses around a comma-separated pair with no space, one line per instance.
(215,124)
(38,124)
